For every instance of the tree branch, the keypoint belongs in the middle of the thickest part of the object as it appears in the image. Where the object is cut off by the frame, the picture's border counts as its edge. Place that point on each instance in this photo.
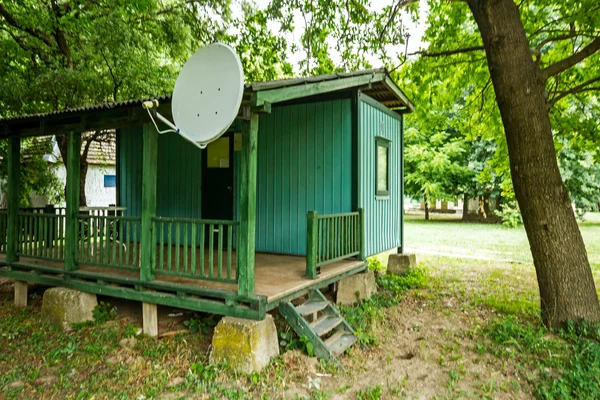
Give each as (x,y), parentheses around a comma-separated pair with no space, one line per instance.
(31,31)
(572,60)
(576,89)
(572,33)
(425,53)
(393,13)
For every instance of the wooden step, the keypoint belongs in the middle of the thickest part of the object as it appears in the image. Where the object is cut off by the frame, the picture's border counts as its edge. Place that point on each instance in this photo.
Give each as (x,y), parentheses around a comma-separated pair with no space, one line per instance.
(325,324)
(340,341)
(311,307)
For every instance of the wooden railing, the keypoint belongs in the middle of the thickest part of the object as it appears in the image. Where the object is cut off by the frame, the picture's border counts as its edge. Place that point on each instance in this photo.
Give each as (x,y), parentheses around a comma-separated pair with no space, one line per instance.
(332,238)
(197,249)
(41,234)
(109,240)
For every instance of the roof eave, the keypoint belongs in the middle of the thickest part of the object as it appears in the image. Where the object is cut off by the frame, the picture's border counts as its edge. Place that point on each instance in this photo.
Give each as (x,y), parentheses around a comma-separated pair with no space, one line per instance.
(260,97)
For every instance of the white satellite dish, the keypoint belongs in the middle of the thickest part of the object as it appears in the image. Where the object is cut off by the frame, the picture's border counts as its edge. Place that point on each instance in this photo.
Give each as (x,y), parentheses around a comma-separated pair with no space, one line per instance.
(207,95)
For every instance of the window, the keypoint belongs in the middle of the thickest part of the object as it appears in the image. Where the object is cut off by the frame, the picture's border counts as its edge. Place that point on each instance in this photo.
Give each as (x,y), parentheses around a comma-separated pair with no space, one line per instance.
(382,167)
(110,181)
(218,153)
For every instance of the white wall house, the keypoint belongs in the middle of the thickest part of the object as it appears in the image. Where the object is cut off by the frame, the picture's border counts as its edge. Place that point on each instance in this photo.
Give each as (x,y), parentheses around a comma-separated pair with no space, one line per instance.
(100,185)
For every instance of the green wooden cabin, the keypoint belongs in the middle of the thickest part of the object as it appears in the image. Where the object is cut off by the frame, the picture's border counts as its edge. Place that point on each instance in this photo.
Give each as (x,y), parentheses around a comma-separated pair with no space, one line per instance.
(304,185)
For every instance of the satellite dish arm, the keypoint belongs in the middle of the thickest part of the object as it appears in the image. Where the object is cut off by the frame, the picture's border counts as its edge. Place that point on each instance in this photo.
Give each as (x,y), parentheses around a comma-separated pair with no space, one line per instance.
(151,106)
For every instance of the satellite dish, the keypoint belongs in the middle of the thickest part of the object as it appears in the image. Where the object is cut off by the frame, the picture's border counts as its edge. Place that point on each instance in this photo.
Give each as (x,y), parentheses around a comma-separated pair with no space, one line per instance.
(207,95)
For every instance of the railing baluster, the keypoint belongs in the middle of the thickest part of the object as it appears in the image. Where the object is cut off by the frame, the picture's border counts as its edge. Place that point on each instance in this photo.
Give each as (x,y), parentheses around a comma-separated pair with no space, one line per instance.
(229,249)
(220,253)
(121,242)
(202,229)
(162,247)
(185,248)
(177,245)
(136,243)
(193,246)
(211,250)
(169,248)
(101,237)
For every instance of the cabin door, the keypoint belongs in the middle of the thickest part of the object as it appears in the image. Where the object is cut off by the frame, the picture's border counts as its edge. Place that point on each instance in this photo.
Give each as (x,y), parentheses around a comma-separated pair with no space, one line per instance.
(217,179)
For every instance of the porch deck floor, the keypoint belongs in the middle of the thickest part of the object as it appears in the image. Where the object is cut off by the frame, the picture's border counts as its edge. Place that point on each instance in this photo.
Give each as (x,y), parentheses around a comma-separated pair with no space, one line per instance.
(276,275)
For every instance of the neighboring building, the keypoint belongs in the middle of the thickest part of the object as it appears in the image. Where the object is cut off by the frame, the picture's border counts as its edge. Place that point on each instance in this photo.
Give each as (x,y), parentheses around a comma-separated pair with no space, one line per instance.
(100,184)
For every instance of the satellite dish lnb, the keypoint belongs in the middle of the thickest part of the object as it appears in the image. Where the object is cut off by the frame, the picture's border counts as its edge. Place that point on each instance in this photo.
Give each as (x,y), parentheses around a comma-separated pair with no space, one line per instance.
(207,95)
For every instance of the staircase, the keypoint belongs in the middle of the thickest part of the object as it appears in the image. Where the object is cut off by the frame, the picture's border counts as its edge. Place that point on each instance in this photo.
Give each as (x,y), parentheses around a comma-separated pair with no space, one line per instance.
(321,323)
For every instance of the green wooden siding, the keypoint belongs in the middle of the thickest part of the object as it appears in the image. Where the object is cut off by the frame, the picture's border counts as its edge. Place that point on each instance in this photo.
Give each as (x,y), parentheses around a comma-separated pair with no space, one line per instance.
(383,214)
(179,175)
(304,164)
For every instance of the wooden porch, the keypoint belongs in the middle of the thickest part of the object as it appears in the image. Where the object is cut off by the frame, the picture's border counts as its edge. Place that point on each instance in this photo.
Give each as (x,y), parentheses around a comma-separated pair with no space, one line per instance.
(277,277)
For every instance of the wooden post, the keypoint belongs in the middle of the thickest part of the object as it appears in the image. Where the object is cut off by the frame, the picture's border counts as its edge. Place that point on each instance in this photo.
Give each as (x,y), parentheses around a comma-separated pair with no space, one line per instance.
(361,237)
(150,319)
(312,237)
(72,200)
(245,252)
(13,198)
(149,169)
(21,294)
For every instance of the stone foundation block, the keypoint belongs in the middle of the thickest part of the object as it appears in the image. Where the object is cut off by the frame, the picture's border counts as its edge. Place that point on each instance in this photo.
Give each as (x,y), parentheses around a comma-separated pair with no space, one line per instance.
(62,307)
(355,288)
(400,264)
(245,345)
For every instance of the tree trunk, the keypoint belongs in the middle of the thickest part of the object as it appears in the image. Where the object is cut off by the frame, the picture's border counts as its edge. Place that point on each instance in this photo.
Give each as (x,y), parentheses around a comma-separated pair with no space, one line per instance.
(566,284)
(83,165)
(465,207)
(426,208)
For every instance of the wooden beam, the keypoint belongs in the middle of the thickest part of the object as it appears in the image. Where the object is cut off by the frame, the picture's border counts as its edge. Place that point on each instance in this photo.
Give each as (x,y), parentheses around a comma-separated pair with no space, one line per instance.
(149,172)
(245,255)
(311,89)
(72,200)
(13,198)
(119,117)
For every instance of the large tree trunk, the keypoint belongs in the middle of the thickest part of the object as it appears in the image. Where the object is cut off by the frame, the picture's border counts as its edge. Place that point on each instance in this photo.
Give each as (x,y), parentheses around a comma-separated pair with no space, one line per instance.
(61,140)
(567,288)
(426,201)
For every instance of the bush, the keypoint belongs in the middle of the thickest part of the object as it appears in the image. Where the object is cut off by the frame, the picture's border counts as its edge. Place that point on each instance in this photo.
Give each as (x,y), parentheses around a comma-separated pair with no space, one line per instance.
(566,366)
(510,214)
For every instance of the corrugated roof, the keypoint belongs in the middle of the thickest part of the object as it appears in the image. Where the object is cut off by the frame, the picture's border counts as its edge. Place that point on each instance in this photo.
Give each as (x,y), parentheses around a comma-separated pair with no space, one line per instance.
(380,91)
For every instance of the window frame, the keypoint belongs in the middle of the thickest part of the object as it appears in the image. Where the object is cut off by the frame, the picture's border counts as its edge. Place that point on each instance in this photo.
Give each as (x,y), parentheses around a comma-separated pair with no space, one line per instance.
(382,142)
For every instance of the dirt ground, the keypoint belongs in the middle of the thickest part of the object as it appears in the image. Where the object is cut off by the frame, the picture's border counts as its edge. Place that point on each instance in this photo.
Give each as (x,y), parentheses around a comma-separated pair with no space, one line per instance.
(428,348)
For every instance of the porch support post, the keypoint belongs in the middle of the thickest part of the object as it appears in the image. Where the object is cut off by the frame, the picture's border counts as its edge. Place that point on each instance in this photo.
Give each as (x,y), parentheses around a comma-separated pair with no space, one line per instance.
(13,198)
(312,238)
(361,238)
(72,200)
(149,172)
(245,251)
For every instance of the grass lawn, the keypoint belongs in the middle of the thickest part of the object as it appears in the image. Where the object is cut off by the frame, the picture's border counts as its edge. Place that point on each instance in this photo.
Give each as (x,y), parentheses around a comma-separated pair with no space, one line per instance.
(446,235)
(464,324)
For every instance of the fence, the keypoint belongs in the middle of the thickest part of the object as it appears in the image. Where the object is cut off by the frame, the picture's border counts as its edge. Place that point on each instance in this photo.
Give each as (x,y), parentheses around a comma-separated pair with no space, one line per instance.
(182,245)
(331,238)
(109,240)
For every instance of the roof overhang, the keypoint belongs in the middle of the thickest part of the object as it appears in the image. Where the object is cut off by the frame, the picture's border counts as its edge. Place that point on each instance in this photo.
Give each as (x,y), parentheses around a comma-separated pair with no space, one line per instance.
(374,83)
(259,96)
